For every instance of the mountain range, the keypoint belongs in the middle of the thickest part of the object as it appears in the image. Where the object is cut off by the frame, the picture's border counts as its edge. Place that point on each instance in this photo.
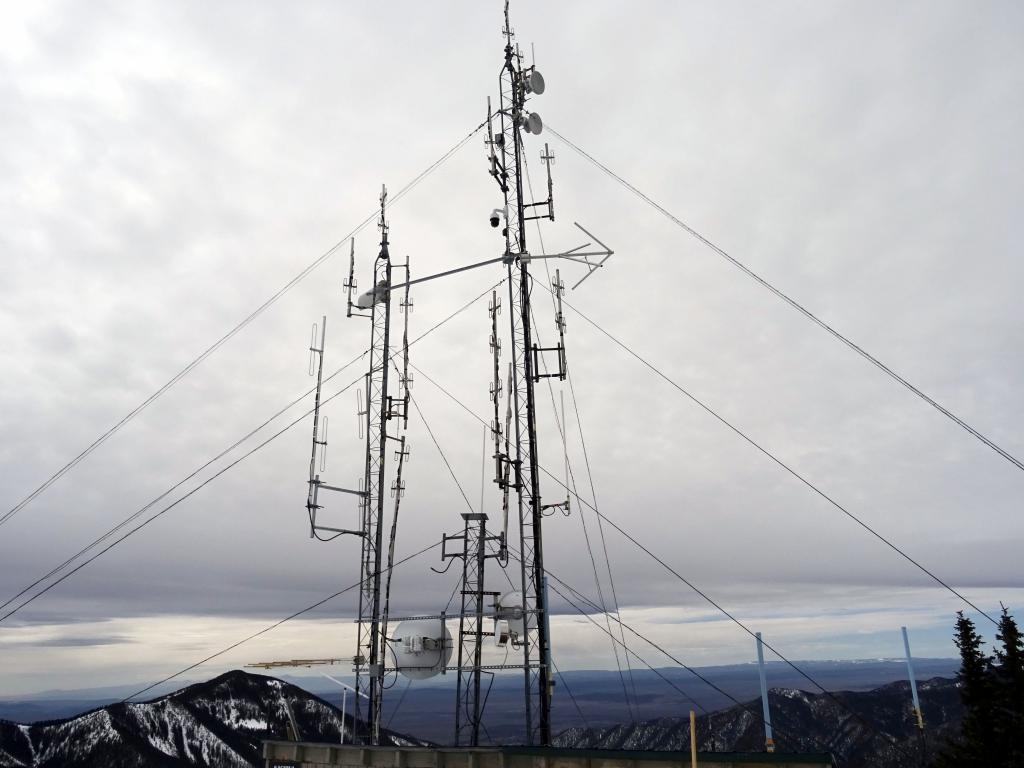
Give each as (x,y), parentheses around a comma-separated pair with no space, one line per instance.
(870,729)
(221,722)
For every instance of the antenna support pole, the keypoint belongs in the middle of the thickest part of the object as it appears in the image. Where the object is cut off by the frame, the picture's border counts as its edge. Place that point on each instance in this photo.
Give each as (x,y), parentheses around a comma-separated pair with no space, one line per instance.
(536,644)
(769,742)
(378,412)
(913,681)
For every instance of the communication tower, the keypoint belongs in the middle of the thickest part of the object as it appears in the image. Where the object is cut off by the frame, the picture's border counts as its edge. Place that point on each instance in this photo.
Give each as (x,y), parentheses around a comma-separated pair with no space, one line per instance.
(422,645)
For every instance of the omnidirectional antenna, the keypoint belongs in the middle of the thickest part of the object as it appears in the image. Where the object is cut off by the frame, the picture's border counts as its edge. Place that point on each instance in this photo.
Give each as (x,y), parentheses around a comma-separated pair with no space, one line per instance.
(350,284)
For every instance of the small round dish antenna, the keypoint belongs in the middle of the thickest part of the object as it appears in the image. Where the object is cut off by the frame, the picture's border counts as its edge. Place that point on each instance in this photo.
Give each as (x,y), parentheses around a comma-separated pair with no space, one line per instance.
(422,648)
(532,123)
(534,82)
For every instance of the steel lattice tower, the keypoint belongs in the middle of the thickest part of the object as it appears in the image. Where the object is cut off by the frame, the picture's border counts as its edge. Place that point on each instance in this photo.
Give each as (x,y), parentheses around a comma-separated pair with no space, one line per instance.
(377,414)
(536,643)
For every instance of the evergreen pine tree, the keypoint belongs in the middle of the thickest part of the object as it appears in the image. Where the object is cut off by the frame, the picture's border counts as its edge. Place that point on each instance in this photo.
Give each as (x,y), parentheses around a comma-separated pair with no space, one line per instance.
(1008,692)
(976,747)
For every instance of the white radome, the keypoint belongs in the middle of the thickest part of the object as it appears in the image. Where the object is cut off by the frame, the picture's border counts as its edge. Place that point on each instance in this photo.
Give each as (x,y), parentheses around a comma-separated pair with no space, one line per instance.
(422,647)
(509,610)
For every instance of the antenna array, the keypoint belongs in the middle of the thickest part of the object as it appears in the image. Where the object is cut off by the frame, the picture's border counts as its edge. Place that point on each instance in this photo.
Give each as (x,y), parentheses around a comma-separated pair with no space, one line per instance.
(423,644)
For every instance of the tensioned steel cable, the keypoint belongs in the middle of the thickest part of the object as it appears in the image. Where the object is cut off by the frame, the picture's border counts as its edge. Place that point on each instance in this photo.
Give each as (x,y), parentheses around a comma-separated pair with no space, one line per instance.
(516,555)
(568,690)
(752,711)
(96,542)
(277,624)
(600,522)
(794,304)
(230,334)
(629,651)
(669,568)
(562,431)
(688,583)
(134,516)
(175,503)
(707,409)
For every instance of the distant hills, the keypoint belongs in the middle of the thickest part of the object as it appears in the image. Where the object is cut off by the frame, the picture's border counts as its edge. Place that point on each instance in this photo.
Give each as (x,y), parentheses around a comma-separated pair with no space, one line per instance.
(885,736)
(221,722)
(426,709)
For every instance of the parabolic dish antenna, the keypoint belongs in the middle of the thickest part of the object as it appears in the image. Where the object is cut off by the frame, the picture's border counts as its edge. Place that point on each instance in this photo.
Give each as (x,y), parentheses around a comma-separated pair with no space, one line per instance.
(534,82)
(532,123)
(422,648)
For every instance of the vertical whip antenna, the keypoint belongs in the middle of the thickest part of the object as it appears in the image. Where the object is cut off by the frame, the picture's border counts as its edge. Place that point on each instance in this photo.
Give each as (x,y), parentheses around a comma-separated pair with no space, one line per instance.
(317,352)
(350,284)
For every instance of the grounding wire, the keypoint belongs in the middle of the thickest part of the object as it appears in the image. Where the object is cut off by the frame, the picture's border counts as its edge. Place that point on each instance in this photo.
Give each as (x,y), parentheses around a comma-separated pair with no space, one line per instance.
(230,334)
(138,513)
(278,623)
(175,503)
(796,305)
(562,429)
(669,568)
(706,408)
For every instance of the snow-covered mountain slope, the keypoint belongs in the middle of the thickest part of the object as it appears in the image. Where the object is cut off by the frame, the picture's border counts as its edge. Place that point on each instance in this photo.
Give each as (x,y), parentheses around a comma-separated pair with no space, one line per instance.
(221,722)
(868,729)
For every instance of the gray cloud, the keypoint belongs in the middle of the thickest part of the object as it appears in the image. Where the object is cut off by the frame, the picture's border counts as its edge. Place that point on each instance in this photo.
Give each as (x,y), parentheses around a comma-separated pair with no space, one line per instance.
(166,168)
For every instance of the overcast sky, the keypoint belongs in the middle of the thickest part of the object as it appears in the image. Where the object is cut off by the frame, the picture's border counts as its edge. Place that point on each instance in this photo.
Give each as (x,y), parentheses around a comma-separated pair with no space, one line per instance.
(166,167)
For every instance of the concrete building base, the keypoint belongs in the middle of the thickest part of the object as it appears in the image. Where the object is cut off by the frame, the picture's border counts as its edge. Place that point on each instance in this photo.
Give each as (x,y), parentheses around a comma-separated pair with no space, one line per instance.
(296,754)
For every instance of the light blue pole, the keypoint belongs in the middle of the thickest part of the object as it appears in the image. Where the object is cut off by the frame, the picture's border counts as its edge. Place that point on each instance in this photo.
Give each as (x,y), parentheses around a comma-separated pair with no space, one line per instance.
(913,682)
(769,743)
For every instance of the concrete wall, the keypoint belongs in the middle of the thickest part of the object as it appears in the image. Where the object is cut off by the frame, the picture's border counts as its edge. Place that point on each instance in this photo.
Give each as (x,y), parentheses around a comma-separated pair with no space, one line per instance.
(279,754)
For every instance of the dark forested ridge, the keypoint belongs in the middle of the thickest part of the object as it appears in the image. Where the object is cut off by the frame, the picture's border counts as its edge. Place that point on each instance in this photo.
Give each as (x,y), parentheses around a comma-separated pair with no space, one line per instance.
(804,722)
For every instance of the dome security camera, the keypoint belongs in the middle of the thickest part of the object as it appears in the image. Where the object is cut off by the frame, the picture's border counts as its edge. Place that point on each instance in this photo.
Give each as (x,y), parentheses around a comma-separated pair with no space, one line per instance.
(496,215)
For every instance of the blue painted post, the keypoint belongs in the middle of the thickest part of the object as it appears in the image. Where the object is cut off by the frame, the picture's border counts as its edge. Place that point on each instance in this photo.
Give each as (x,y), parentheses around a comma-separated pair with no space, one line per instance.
(769,743)
(913,682)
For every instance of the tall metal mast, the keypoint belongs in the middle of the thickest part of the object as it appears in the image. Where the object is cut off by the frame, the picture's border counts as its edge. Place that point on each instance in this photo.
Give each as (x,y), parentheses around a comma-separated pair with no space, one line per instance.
(508,172)
(377,407)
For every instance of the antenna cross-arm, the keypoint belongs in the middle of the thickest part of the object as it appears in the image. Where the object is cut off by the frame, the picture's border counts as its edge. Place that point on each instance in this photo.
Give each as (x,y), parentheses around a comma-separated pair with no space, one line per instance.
(576,254)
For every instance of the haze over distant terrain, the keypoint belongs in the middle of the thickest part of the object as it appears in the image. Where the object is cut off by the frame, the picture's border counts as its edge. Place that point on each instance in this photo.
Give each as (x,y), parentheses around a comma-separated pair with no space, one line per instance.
(165,168)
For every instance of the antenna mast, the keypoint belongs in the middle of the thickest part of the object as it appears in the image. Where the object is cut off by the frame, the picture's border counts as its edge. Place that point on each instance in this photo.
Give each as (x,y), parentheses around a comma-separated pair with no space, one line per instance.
(506,167)
(377,414)
(422,645)
(381,407)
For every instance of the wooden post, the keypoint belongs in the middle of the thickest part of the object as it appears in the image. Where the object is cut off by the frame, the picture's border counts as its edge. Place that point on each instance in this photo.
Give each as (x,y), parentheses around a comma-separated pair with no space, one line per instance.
(693,739)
